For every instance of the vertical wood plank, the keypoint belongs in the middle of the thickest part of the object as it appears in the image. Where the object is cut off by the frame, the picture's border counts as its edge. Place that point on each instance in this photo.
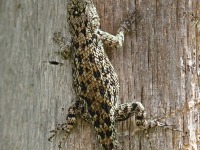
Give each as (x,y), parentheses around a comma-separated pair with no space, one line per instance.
(159,65)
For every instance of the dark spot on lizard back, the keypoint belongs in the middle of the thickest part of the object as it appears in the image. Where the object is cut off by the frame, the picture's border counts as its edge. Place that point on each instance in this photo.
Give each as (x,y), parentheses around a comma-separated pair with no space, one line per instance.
(83,87)
(91,112)
(109,133)
(86,23)
(109,95)
(102,134)
(102,91)
(83,45)
(105,107)
(88,82)
(97,123)
(76,45)
(97,74)
(106,82)
(107,121)
(80,70)
(92,58)
(83,31)
(87,100)
(87,69)
(88,42)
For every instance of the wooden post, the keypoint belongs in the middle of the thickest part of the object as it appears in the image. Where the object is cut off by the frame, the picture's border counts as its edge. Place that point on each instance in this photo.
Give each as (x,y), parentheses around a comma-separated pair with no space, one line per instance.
(159,66)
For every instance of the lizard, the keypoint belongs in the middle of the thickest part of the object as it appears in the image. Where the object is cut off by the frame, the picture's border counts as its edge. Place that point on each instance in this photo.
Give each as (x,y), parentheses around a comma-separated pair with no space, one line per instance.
(95,81)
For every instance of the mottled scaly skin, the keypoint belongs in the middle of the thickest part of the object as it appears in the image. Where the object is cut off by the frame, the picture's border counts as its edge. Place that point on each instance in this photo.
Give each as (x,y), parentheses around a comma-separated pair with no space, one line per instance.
(94,79)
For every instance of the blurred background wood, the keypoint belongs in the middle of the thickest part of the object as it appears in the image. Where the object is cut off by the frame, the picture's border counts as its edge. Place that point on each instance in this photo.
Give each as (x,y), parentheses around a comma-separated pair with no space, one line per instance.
(159,66)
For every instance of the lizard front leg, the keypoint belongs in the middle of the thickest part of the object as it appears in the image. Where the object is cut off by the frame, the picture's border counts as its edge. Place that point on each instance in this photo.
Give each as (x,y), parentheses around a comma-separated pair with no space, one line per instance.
(118,39)
(64,51)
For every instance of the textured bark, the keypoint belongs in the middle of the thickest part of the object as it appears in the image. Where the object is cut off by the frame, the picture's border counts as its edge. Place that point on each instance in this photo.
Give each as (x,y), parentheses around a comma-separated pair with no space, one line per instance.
(159,66)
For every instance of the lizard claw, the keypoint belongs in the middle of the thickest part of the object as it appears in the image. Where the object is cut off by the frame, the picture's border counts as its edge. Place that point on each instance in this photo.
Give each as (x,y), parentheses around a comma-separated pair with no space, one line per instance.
(155,123)
(58,38)
(132,17)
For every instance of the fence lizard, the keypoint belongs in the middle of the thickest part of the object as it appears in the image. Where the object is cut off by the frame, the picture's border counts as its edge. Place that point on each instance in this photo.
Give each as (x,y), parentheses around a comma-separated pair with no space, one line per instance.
(94,79)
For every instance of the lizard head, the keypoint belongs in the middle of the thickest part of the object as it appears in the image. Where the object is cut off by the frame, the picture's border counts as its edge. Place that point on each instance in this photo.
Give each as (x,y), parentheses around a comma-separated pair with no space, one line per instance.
(82,14)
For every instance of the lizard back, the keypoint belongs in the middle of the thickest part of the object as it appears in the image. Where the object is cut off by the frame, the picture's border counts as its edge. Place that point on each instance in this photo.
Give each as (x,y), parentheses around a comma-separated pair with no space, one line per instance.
(94,79)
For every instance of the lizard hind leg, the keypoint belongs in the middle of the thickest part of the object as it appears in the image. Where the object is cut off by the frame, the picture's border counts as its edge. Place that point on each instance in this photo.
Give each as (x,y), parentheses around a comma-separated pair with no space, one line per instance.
(67,126)
(126,110)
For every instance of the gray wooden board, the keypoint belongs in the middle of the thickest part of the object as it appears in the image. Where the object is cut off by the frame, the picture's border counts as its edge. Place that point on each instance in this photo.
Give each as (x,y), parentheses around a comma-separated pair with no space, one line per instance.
(159,66)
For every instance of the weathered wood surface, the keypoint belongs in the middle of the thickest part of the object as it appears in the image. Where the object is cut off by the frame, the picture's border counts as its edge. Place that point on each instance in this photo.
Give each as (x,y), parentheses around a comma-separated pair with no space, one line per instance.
(159,66)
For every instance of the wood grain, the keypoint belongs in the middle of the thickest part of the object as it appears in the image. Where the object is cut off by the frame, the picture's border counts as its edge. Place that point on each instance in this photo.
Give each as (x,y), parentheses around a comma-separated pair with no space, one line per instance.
(159,66)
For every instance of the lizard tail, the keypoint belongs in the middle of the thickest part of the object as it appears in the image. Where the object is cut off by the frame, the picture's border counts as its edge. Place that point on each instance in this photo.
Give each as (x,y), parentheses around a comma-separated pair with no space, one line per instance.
(106,132)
